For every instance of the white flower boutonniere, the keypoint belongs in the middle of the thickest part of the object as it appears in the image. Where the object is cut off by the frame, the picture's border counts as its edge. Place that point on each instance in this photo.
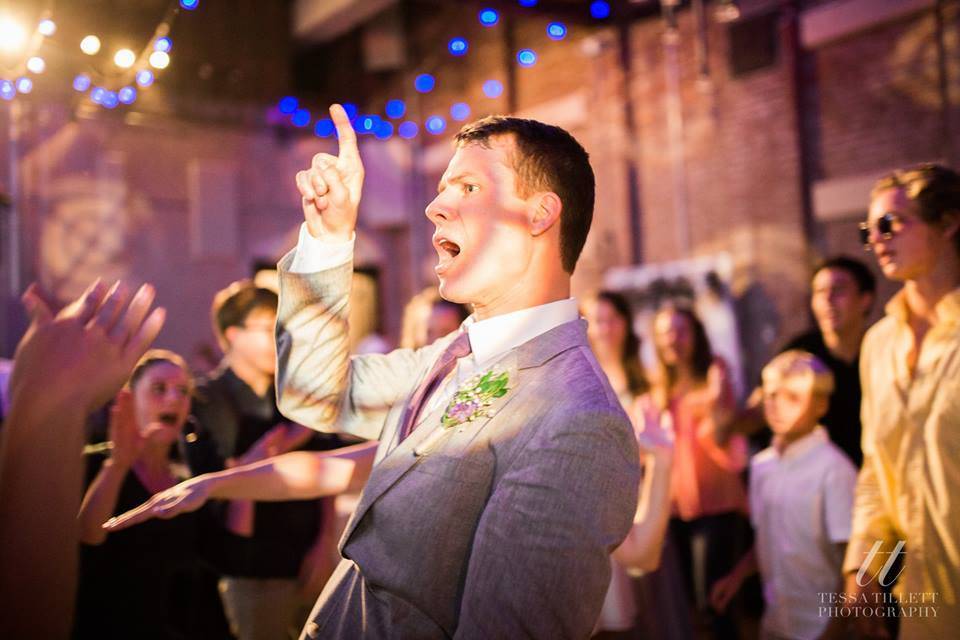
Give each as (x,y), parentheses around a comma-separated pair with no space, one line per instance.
(474,397)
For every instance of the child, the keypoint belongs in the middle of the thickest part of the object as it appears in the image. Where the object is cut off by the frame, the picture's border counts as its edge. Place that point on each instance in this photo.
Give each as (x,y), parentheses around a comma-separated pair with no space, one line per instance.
(801,498)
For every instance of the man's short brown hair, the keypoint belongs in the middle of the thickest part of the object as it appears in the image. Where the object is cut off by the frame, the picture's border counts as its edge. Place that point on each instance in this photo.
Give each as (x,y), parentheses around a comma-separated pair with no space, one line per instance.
(935,189)
(233,304)
(547,159)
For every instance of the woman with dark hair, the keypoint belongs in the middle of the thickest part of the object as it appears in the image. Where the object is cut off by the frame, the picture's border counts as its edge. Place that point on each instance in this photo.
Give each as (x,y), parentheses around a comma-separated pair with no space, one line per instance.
(127,578)
(708,527)
(617,347)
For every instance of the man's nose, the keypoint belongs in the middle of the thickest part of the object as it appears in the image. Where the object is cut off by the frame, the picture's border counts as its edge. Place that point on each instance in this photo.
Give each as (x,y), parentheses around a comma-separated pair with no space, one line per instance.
(437,210)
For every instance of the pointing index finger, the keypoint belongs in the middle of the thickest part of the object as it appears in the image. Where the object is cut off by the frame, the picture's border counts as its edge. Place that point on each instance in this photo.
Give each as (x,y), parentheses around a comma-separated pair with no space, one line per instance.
(345,133)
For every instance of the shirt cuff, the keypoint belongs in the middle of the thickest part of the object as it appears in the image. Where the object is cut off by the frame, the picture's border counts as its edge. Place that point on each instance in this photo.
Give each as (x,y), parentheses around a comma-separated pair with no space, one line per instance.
(319,254)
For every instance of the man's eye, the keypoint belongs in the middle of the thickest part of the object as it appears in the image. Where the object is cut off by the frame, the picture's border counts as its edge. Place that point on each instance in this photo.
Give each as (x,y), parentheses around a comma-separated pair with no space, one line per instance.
(471,188)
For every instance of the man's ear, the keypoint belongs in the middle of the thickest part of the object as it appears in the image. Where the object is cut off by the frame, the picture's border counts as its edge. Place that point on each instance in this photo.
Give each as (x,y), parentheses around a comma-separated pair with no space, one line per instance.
(546,212)
(229,335)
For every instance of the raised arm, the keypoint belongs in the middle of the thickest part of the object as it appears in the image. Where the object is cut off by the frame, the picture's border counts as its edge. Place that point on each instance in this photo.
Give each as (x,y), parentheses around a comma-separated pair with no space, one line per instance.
(300,475)
(643,546)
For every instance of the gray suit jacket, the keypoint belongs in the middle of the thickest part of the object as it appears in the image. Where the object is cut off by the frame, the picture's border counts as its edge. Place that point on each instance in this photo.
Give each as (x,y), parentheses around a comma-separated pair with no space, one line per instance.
(500,528)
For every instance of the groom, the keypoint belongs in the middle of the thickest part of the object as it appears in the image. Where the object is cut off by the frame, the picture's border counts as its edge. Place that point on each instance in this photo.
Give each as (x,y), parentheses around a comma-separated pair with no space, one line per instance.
(507,471)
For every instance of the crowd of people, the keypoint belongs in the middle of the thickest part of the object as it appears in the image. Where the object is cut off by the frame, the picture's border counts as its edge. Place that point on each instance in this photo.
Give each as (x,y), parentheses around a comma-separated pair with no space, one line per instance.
(607,498)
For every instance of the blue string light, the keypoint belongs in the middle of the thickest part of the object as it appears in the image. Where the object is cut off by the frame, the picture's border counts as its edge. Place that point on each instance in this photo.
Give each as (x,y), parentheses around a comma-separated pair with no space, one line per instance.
(98,94)
(396,108)
(288,104)
(526,57)
(556,31)
(163,44)
(407,129)
(528,3)
(300,118)
(492,88)
(110,100)
(367,124)
(127,95)
(144,77)
(24,85)
(424,83)
(189,5)
(435,125)
(458,46)
(384,130)
(460,111)
(7,90)
(600,9)
(489,17)
(351,110)
(81,82)
(324,128)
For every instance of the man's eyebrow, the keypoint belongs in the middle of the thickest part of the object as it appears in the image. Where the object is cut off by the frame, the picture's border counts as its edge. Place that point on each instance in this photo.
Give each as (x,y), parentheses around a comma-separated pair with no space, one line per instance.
(459,177)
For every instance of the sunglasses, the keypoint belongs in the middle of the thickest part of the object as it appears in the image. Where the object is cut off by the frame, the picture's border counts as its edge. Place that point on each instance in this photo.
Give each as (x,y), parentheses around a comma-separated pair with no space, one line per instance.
(883,225)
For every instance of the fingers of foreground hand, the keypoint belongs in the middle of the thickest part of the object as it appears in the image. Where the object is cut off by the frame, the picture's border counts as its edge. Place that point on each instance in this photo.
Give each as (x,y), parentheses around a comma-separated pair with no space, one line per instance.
(346,135)
(133,317)
(37,308)
(108,313)
(133,517)
(84,307)
(145,334)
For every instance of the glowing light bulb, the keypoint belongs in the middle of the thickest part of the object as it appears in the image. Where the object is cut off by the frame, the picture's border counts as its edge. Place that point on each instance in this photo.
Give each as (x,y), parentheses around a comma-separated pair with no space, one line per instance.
(145,77)
(47,27)
(124,58)
(159,59)
(13,36)
(36,65)
(90,45)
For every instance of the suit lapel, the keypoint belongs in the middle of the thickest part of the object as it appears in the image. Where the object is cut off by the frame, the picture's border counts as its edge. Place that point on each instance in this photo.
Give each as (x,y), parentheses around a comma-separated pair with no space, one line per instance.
(429,436)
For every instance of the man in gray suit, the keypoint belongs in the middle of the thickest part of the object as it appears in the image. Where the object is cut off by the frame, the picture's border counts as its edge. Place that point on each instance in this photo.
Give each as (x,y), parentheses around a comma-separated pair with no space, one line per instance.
(495,516)
(506,471)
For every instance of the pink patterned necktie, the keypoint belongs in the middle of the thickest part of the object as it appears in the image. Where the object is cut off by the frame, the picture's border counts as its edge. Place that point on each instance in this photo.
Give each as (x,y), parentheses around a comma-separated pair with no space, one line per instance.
(459,348)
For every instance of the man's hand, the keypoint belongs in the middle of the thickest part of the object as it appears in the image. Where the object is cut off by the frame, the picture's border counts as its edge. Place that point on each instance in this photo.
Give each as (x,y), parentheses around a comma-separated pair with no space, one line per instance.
(78,359)
(183,498)
(330,189)
(723,591)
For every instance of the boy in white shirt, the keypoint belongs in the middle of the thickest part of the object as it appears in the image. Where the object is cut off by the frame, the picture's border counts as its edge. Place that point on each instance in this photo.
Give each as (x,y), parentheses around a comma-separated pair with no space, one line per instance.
(801,500)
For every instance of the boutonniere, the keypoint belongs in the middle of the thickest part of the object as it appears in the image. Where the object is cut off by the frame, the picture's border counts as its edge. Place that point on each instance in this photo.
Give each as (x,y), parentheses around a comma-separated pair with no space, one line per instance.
(474,397)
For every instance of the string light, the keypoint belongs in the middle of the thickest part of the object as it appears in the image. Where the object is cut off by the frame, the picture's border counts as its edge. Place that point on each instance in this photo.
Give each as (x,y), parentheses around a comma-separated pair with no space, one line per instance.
(435,125)
(324,128)
(90,45)
(288,104)
(12,35)
(526,57)
(492,88)
(47,27)
(424,83)
(127,95)
(384,130)
(159,59)
(408,129)
(489,17)
(600,9)
(396,108)
(124,58)
(24,85)
(145,77)
(36,65)
(7,90)
(460,111)
(300,118)
(189,5)
(556,31)
(81,82)
(163,44)
(458,46)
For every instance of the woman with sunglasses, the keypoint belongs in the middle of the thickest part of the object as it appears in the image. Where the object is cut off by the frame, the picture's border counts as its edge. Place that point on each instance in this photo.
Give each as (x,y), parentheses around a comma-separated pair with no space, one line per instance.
(908,488)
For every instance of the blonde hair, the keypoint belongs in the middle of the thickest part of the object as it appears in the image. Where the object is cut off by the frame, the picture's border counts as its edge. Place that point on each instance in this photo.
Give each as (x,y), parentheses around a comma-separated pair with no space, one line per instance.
(799,368)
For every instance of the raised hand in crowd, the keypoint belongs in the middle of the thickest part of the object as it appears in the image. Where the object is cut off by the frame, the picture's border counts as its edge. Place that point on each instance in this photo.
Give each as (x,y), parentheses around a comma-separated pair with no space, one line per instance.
(331,187)
(65,366)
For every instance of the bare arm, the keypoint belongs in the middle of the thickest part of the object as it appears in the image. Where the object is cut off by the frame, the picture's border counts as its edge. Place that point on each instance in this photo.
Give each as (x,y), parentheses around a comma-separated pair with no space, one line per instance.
(300,475)
(643,546)
(727,587)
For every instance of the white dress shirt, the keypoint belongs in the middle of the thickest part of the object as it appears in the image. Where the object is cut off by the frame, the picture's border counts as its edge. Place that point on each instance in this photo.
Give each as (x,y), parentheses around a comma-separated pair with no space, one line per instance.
(801,505)
(490,339)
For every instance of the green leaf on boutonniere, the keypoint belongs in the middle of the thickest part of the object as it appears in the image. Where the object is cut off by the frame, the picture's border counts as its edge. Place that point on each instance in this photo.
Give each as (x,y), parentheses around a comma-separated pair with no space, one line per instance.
(472,399)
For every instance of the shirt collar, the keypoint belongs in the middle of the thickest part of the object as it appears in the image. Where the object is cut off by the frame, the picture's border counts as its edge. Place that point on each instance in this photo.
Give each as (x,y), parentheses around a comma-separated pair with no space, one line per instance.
(799,447)
(493,337)
(948,309)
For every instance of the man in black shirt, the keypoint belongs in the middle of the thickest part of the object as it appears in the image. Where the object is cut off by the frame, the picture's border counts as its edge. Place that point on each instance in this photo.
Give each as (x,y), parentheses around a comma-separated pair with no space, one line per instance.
(275,553)
(842,293)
